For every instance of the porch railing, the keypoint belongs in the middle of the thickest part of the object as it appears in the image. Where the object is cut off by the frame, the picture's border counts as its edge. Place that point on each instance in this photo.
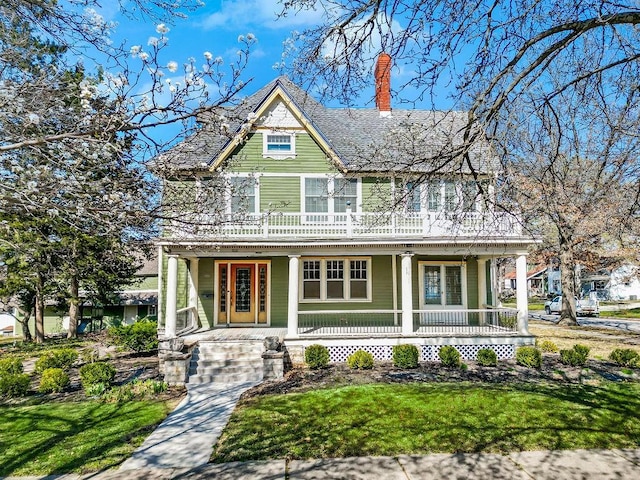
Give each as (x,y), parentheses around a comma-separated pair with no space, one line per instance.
(186,320)
(348,322)
(271,225)
(480,321)
(501,321)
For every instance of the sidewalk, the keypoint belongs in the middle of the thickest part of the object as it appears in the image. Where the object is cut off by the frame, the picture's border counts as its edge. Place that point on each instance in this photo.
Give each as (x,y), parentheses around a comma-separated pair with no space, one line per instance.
(542,465)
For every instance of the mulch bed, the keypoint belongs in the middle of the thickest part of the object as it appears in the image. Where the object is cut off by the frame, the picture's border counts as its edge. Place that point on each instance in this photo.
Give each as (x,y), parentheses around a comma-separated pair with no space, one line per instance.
(552,372)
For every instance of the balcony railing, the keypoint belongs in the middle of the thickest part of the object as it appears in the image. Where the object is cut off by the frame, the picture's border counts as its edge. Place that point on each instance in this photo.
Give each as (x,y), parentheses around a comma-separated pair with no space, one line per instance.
(277,225)
(501,321)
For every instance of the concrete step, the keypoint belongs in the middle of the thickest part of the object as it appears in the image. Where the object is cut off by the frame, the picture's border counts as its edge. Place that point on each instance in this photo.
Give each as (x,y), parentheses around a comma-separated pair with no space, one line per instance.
(203,370)
(231,346)
(197,355)
(226,378)
(226,362)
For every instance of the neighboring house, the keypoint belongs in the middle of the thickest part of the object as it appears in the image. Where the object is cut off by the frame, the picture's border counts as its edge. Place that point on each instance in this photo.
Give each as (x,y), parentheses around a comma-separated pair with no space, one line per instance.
(8,324)
(139,300)
(622,283)
(536,281)
(301,237)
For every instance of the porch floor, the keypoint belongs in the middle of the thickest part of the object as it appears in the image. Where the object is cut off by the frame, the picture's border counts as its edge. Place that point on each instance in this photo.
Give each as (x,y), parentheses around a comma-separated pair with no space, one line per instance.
(233,334)
(430,330)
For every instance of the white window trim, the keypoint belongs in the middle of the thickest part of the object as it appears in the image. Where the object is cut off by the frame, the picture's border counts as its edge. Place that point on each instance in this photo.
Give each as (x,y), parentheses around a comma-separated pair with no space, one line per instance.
(424,197)
(278,155)
(323,281)
(330,192)
(442,265)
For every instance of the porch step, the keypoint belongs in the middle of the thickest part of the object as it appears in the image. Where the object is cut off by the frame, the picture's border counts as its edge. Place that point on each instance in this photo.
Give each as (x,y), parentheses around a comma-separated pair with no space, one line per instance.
(226,362)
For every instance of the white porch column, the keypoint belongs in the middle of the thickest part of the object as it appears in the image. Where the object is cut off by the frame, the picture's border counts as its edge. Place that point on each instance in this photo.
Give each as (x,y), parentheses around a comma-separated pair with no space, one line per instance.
(292,317)
(521,295)
(171,306)
(193,286)
(407,294)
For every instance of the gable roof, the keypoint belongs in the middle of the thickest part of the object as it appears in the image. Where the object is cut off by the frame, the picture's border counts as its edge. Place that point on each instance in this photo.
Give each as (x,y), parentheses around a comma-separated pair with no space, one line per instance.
(358,140)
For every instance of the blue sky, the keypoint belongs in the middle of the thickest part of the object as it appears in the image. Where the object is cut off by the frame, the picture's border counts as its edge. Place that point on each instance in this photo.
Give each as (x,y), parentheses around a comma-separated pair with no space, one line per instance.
(215,28)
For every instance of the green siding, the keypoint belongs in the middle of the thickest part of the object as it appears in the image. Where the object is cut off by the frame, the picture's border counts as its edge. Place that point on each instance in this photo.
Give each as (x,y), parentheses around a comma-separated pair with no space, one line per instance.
(144,283)
(279,291)
(381,291)
(310,158)
(206,291)
(472,283)
(376,195)
(280,193)
(183,283)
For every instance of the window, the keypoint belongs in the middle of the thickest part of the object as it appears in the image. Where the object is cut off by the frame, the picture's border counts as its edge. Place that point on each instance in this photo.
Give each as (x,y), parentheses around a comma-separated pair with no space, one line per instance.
(436,196)
(242,192)
(442,285)
(413,201)
(336,279)
(279,145)
(330,195)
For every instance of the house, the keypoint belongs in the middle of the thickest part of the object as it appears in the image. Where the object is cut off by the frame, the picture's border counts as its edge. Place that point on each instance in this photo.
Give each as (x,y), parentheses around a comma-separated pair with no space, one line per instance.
(621,283)
(536,281)
(313,223)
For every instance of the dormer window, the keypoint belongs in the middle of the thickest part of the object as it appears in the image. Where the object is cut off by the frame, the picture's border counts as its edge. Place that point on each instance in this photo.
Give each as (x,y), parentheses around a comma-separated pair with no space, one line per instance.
(279,145)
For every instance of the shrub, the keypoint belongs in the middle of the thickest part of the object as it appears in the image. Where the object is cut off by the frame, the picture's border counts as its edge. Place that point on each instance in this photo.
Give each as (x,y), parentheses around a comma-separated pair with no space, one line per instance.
(53,380)
(10,366)
(96,373)
(142,336)
(487,357)
(95,389)
(405,356)
(548,346)
(529,357)
(316,356)
(62,358)
(576,356)
(449,356)
(14,384)
(135,389)
(625,357)
(360,360)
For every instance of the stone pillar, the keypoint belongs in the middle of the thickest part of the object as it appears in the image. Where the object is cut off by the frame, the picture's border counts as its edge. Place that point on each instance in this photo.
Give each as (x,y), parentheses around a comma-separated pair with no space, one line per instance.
(292,316)
(521,295)
(407,294)
(171,305)
(193,288)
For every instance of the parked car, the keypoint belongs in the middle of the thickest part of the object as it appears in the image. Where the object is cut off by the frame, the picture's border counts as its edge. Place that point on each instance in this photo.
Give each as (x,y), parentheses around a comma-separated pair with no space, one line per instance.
(585,306)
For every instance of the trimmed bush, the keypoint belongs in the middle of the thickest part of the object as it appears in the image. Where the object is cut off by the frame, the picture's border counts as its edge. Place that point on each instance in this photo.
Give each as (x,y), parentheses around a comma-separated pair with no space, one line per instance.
(142,336)
(54,380)
(10,366)
(577,356)
(316,356)
(95,373)
(405,356)
(529,357)
(449,356)
(625,357)
(61,358)
(548,346)
(14,384)
(360,360)
(487,357)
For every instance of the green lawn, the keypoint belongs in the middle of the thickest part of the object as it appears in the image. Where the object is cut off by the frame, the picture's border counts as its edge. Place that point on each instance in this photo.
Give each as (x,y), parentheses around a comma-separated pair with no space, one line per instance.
(420,418)
(64,437)
(631,313)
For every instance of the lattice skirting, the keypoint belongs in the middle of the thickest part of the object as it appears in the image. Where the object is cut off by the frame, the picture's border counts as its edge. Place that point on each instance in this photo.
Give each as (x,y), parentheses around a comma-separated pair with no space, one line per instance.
(429,353)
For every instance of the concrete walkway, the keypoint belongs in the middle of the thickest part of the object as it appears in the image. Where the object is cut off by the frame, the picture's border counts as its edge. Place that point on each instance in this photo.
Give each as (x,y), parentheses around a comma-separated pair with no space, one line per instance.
(543,465)
(186,436)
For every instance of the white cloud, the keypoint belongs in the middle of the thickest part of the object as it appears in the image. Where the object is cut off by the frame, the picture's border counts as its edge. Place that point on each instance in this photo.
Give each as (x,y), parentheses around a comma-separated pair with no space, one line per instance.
(243,14)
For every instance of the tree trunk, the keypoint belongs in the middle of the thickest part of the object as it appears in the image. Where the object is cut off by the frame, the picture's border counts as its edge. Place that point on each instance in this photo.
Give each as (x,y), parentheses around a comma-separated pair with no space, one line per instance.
(74,307)
(39,309)
(567,282)
(24,323)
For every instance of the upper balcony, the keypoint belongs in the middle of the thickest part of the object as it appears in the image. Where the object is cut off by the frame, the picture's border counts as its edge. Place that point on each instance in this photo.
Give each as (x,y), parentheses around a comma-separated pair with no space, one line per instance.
(272,226)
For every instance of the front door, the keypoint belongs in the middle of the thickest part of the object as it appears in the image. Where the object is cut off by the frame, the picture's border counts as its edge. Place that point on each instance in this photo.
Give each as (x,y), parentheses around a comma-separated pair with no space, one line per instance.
(242,292)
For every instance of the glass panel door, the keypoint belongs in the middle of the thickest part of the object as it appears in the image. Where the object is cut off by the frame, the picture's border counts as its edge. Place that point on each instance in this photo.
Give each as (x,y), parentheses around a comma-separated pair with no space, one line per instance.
(453,285)
(432,290)
(242,294)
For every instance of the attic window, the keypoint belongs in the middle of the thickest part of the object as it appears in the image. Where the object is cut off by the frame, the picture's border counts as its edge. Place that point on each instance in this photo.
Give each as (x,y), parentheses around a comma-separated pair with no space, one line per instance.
(279,145)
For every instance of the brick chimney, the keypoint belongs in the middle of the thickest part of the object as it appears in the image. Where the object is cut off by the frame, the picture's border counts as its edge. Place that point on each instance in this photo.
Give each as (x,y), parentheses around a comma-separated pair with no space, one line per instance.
(382,74)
